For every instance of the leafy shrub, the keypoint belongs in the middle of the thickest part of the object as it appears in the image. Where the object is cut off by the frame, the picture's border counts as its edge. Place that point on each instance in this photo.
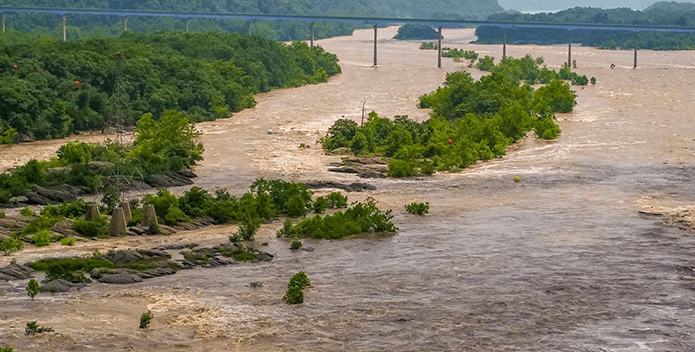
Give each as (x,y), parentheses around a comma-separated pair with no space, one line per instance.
(162,202)
(337,200)
(287,229)
(558,95)
(145,320)
(32,328)
(293,295)
(196,202)
(2,214)
(11,245)
(320,205)
(68,241)
(7,349)
(42,238)
(175,216)
(97,228)
(247,230)
(486,64)
(300,280)
(428,46)
(418,208)
(295,245)
(33,288)
(593,81)
(74,209)
(26,211)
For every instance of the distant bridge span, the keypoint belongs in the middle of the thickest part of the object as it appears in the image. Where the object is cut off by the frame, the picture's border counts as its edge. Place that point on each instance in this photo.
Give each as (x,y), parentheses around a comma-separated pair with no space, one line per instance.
(375,21)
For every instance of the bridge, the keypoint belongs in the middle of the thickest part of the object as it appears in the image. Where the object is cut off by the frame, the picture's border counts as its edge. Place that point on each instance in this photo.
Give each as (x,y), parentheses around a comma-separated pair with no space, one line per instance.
(374,21)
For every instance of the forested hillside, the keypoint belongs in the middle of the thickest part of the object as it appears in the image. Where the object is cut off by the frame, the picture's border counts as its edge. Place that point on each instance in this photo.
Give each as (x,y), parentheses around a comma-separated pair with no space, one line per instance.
(53,88)
(79,26)
(659,14)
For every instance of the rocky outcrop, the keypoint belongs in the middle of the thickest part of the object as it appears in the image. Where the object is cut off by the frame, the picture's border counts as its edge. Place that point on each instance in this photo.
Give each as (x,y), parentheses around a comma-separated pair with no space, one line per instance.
(15,272)
(115,276)
(352,187)
(61,285)
(181,178)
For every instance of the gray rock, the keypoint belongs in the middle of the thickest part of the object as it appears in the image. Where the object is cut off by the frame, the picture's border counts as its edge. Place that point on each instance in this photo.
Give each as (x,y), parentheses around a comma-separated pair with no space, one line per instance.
(15,272)
(123,257)
(158,272)
(116,276)
(61,285)
(154,254)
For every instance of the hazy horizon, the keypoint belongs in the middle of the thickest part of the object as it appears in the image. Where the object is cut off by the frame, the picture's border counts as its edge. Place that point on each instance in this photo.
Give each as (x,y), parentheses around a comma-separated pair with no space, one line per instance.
(557,5)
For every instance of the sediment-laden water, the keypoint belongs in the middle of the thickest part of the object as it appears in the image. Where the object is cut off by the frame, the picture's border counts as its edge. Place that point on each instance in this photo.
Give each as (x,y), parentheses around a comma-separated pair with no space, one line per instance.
(561,261)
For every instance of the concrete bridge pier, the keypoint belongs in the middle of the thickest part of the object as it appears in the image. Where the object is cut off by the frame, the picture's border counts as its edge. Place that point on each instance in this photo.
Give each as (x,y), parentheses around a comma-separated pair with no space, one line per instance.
(3,23)
(187,25)
(569,54)
(125,24)
(504,46)
(439,49)
(250,25)
(65,37)
(312,35)
(635,64)
(375,29)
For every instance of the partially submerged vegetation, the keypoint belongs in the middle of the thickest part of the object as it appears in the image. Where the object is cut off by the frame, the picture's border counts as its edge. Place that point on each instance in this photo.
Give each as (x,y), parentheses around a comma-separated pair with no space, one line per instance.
(162,147)
(470,120)
(360,218)
(295,288)
(418,208)
(415,31)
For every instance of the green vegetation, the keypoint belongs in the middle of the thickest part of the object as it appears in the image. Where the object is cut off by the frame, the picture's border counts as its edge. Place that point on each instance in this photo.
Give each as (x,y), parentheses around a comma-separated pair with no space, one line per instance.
(32,328)
(161,147)
(7,349)
(42,238)
(413,31)
(358,219)
(295,245)
(27,212)
(460,53)
(418,208)
(60,88)
(68,241)
(145,320)
(11,245)
(428,46)
(335,200)
(470,120)
(295,293)
(660,14)
(300,280)
(97,228)
(33,288)
(70,269)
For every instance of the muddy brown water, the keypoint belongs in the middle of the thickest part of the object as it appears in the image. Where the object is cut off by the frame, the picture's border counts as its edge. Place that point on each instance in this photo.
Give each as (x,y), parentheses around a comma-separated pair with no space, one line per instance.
(561,261)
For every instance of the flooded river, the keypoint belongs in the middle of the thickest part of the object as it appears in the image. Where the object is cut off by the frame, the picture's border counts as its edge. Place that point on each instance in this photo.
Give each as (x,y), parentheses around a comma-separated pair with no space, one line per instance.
(561,261)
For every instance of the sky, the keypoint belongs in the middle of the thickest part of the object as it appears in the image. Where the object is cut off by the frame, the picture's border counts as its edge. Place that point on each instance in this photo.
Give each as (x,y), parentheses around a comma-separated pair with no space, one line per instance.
(555,5)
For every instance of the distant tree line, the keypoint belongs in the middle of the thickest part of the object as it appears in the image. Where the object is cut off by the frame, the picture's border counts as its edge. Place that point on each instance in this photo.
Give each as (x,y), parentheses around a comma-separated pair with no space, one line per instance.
(660,14)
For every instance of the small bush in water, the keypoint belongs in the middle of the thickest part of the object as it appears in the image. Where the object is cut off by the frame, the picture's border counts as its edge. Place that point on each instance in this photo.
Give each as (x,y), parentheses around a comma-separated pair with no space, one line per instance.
(418,208)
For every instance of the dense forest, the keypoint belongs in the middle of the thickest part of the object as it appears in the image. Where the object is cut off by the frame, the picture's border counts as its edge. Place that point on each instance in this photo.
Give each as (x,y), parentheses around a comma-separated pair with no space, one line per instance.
(659,14)
(79,26)
(54,88)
